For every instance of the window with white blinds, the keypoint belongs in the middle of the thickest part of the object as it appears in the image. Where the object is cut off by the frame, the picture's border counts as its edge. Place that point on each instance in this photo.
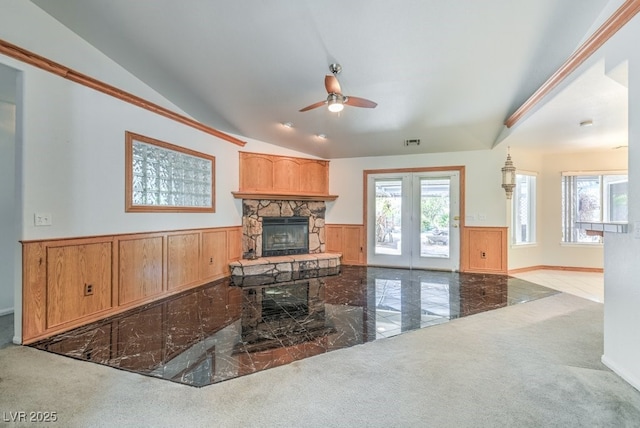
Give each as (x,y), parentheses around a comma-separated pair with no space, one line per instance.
(593,197)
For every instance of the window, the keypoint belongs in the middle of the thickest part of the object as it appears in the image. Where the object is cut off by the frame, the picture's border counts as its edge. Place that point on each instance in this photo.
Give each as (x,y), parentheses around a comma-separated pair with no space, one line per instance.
(595,197)
(161,177)
(523,229)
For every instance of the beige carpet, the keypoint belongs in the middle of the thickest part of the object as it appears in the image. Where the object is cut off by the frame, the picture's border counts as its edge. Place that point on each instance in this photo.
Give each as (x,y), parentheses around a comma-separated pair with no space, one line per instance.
(530,365)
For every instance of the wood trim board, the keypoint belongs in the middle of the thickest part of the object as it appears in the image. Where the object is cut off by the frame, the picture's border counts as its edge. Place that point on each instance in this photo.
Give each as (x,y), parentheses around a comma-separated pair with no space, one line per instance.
(616,21)
(46,64)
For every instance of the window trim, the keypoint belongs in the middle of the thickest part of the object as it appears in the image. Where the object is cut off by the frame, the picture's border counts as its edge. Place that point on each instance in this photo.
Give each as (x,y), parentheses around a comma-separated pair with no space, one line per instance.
(534,214)
(130,138)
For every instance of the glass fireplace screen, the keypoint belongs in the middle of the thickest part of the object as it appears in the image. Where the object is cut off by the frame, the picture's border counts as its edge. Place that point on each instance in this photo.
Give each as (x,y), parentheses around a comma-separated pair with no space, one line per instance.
(283,236)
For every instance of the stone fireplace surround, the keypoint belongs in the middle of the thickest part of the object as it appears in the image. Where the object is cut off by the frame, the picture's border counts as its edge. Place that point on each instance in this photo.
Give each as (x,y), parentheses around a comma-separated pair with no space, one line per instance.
(254,210)
(283,268)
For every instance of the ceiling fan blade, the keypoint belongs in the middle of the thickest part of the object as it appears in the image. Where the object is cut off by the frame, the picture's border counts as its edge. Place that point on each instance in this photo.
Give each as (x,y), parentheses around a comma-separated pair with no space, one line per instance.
(360,102)
(332,84)
(312,106)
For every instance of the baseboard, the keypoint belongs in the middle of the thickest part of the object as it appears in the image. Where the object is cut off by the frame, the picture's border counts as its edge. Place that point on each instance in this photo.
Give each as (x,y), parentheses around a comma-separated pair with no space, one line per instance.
(6,311)
(549,267)
(624,374)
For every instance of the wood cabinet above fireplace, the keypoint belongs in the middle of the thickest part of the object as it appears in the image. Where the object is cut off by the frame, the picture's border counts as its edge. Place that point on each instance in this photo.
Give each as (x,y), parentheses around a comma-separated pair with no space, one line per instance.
(264,176)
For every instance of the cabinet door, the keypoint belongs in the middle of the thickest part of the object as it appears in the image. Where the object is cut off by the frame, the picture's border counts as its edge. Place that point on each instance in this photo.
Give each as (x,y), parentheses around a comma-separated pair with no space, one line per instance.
(78,281)
(256,172)
(314,177)
(271,173)
(286,174)
(486,249)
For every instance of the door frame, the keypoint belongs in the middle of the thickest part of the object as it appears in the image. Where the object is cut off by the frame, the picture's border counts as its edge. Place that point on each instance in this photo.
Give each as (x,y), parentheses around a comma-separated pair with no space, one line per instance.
(459,168)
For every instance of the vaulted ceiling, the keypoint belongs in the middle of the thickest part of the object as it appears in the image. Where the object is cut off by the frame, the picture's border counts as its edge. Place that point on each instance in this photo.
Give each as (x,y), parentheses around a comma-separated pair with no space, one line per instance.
(445,72)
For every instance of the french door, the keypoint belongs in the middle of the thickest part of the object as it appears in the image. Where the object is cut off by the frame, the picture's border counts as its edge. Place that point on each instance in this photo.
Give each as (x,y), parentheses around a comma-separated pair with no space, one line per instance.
(413,219)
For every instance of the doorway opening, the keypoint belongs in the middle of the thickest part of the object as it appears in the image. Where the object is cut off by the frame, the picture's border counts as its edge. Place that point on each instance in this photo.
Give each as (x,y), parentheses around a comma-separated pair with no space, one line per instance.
(10,211)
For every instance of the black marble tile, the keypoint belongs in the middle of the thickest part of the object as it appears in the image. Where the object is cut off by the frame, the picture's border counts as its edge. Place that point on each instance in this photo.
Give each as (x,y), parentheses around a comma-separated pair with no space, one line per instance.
(222,330)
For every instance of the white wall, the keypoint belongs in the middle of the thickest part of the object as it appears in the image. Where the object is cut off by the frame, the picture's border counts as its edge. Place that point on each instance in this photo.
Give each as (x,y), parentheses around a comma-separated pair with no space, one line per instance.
(484,194)
(567,254)
(549,250)
(73,142)
(529,254)
(27,26)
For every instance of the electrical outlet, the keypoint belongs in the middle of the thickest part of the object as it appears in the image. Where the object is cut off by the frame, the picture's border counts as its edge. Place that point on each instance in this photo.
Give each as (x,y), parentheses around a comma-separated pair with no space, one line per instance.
(42,219)
(483,255)
(88,289)
(211,260)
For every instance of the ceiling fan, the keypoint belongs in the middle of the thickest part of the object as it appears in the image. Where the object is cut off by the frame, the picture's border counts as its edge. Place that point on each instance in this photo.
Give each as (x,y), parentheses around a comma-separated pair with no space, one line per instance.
(336,100)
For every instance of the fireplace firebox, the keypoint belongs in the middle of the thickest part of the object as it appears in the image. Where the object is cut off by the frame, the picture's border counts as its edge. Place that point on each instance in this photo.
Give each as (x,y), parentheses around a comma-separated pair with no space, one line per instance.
(282,236)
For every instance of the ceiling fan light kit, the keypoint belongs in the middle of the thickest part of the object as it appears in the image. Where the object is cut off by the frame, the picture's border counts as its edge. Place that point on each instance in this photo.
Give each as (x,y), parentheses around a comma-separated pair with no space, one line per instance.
(335,99)
(335,103)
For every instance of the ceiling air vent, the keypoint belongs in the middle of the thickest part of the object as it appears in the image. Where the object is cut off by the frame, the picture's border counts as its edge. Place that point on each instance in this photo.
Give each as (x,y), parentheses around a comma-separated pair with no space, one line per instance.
(413,142)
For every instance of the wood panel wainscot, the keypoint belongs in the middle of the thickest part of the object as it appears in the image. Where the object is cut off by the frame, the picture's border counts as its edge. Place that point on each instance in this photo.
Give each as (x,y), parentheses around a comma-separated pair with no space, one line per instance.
(484,250)
(71,282)
(347,239)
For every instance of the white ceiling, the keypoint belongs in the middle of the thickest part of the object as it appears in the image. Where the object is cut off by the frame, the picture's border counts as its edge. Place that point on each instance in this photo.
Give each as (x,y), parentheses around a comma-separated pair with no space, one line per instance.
(446,72)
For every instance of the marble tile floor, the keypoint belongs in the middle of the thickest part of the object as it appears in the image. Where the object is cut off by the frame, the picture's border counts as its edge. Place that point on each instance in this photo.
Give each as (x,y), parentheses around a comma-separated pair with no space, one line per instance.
(588,285)
(221,331)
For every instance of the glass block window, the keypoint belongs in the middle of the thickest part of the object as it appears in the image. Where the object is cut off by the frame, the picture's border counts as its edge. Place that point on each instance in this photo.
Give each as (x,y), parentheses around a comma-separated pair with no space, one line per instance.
(164,177)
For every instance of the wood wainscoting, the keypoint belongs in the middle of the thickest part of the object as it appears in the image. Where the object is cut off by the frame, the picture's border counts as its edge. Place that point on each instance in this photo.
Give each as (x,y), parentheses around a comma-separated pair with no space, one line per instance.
(347,239)
(71,282)
(484,249)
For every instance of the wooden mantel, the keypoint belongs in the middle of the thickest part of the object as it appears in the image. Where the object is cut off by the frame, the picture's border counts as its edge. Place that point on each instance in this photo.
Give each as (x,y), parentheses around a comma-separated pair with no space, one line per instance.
(283,196)
(264,176)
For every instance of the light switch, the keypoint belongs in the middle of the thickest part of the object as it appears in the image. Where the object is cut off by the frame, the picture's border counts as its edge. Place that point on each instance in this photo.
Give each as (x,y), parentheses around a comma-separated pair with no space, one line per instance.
(42,219)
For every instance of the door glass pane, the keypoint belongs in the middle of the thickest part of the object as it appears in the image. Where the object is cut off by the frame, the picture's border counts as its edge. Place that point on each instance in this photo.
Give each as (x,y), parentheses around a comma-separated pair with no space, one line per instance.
(434,215)
(388,216)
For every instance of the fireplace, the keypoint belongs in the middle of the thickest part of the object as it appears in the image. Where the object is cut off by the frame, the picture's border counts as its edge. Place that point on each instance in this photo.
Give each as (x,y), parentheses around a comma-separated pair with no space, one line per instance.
(283,236)
(255,211)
